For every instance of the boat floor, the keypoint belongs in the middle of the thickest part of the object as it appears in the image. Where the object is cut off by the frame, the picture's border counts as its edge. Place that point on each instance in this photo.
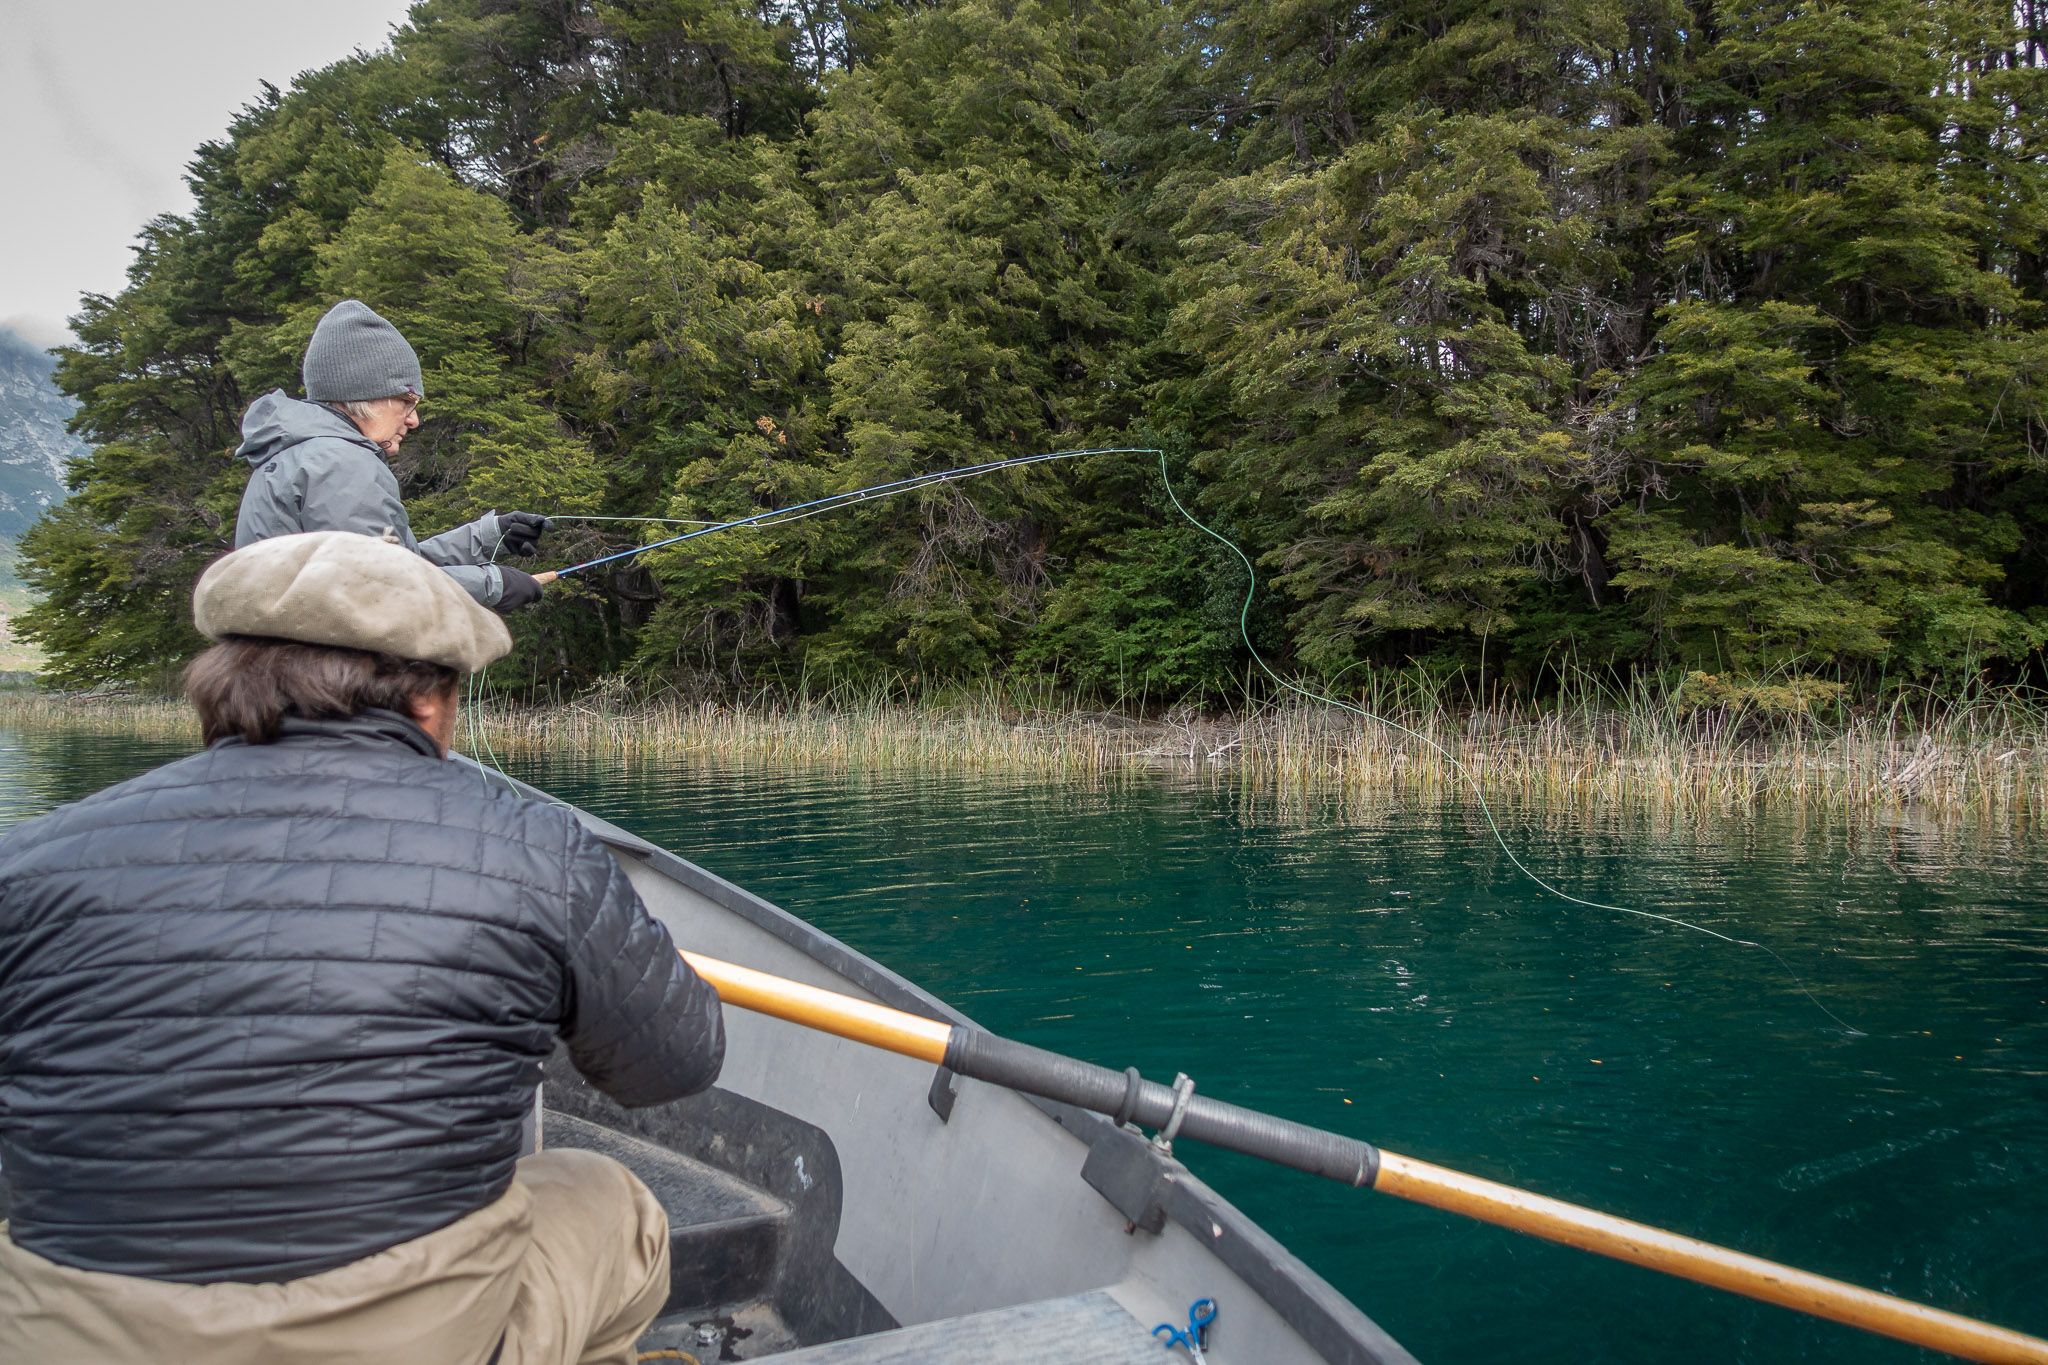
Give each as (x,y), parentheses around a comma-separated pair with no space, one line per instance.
(726,1239)
(1083,1329)
(751,1331)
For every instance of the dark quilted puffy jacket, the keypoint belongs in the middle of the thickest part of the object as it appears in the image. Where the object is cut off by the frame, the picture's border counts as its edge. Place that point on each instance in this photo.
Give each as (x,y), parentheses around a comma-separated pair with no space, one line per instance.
(273,1008)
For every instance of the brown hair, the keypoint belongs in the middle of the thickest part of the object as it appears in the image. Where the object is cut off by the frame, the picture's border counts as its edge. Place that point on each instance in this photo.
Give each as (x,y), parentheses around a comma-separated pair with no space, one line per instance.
(246,685)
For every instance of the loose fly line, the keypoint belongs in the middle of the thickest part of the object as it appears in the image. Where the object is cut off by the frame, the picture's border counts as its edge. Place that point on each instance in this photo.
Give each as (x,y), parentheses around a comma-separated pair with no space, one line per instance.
(1472,781)
(479,741)
(782,516)
(835,502)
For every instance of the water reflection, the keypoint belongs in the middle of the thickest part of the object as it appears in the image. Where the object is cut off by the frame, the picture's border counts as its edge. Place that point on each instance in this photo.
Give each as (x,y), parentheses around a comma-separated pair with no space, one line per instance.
(50,768)
(1377,966)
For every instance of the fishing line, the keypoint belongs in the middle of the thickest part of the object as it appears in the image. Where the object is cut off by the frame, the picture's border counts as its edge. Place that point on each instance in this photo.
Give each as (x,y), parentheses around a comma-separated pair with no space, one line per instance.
(775,517)
(1244,629)
(475,700)
(473,706)
(782,516)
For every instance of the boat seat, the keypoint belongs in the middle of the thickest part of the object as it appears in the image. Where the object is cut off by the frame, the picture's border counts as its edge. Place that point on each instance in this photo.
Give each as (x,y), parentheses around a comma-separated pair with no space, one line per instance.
(1081,1329)
(727,1239)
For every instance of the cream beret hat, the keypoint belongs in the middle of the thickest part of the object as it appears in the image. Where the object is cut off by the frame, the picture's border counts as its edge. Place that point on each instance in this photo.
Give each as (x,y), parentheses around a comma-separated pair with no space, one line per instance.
(340,588)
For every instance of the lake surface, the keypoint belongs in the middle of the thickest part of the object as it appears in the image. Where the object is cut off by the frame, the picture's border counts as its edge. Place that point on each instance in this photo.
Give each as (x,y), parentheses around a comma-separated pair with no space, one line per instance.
(1382,970)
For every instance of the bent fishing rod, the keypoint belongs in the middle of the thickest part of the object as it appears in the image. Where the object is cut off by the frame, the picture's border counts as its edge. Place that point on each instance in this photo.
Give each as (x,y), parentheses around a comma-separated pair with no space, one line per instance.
(1177,1112)
(834,502)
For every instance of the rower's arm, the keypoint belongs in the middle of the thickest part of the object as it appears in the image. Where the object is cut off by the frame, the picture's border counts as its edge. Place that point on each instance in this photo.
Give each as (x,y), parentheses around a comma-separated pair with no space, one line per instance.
(639,1023)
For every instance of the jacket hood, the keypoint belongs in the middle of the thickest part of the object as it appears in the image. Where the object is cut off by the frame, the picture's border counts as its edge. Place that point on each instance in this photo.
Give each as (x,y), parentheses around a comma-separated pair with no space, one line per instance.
(277,421)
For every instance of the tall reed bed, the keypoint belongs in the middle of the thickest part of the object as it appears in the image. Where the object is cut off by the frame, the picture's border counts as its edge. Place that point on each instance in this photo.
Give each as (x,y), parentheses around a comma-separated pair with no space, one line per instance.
(1983,756)
(1980,765)
(163,718)
(844,728)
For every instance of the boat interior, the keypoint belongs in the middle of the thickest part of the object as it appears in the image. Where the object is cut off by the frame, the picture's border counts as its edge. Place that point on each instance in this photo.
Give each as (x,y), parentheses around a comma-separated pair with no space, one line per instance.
(867,1207)
(753,1199)
(830,1202)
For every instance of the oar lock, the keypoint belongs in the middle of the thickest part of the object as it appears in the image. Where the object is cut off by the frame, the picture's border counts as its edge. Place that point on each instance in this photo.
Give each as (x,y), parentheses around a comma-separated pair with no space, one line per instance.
(1135,1177)
(1134,1083)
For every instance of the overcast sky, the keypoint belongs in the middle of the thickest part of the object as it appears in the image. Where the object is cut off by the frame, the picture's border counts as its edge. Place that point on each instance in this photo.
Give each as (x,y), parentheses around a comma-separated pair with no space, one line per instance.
(102,102)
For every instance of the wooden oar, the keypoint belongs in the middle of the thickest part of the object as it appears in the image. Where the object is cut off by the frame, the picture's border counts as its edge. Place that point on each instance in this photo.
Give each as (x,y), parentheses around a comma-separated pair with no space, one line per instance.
(982,1056)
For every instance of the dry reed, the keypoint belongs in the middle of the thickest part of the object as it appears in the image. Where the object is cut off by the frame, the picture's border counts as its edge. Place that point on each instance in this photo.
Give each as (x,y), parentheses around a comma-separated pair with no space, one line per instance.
(143,717)
(1986,759)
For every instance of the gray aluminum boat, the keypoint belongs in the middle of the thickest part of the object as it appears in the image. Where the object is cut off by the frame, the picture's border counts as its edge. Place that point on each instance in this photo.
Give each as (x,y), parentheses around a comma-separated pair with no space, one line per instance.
(834,1203)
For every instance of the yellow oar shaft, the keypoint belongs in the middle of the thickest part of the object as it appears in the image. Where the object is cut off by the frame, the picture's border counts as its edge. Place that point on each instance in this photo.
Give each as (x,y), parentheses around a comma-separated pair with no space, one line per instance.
(1703,1262)
(986,1058)
(826,1011)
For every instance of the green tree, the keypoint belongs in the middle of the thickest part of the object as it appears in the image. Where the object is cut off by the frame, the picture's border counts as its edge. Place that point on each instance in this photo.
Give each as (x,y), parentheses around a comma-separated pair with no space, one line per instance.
(156,500)
(1846,404)
(446,264)
(1679,331)
(703,360)
(1405,321)
(985,307)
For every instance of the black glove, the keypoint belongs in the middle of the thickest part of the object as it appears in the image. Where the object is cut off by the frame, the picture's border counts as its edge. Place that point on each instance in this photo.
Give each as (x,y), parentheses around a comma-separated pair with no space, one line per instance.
(521,589)
(520,532)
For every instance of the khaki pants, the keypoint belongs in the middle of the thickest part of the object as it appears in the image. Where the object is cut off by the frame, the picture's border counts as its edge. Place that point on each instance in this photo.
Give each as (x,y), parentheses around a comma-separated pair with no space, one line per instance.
(568,1268)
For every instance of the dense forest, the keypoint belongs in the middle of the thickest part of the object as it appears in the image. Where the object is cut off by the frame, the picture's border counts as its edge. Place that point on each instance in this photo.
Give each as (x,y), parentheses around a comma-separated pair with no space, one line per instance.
(1630,334)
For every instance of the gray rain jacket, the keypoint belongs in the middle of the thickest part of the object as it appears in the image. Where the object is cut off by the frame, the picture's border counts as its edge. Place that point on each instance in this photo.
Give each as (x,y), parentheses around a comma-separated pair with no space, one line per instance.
(313,471)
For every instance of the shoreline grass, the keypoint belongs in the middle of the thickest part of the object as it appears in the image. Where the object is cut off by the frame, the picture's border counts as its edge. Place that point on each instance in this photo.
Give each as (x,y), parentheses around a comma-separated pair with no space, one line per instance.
(1985,758)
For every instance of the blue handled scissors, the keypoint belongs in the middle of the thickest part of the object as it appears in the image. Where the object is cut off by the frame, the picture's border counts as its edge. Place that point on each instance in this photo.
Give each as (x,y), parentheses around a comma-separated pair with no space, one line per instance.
(1201,1313)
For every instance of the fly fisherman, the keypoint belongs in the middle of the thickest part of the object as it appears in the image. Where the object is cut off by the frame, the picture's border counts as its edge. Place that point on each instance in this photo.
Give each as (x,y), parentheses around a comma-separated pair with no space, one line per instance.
(271,1016)
(319,464)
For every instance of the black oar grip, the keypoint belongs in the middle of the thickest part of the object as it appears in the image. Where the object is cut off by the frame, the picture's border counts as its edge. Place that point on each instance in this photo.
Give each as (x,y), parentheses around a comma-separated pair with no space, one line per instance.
(1034,1071)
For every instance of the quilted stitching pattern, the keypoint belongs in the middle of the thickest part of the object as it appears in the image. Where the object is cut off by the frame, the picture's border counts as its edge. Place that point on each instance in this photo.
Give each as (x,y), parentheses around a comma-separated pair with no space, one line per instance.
(270,1009)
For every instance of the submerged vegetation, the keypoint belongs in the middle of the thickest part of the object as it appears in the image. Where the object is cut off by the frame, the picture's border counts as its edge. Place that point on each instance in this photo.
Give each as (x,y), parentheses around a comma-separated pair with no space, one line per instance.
(1685,335)
(1984,757)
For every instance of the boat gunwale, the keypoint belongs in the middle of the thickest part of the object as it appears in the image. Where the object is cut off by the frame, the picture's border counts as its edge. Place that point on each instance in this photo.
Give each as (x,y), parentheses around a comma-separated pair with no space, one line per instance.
(1330,1323)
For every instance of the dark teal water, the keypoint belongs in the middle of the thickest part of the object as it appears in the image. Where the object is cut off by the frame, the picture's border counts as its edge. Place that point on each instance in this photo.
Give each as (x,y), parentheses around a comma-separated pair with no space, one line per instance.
(1384,972)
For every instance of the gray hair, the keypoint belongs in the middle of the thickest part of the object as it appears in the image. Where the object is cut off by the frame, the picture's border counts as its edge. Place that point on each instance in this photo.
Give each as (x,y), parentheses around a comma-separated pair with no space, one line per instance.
(360,410)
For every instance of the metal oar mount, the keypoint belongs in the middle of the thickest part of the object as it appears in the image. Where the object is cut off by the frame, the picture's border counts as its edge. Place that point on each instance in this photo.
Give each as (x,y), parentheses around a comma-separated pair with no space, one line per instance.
(1178,1112)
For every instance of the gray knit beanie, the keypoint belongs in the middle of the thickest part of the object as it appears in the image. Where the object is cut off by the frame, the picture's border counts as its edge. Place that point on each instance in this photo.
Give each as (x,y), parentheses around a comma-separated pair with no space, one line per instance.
(356,354)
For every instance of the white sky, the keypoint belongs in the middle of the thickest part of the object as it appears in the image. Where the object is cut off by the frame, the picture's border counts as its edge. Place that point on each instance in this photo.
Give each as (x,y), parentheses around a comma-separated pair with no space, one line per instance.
(102,102)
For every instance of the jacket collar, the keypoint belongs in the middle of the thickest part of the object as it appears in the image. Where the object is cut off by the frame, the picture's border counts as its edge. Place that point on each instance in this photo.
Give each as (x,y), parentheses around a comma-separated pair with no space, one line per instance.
(276,422)
(373,726)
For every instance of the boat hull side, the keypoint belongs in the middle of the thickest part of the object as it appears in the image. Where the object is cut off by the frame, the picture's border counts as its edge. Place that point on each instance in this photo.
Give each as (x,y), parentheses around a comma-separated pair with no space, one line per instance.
(986,1208)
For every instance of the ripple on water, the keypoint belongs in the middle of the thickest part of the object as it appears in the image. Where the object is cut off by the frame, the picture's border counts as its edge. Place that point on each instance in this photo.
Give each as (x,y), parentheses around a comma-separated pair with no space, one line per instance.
(1381,969)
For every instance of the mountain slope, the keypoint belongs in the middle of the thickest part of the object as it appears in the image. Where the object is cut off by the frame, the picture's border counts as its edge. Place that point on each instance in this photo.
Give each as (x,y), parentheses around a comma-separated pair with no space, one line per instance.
(34,446)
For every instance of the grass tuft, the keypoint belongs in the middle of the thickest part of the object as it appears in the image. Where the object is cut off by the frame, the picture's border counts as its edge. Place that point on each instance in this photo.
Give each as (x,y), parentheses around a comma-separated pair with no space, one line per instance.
(1982,756)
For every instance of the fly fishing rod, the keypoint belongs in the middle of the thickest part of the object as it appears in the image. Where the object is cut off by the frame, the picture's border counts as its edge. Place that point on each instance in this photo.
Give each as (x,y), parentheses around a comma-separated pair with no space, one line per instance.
(1177,1112)
(837,501)
(834,502)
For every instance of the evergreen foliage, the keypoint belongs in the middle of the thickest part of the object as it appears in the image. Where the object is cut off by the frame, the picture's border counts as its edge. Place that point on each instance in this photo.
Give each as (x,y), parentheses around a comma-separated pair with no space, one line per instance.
(1675,334)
